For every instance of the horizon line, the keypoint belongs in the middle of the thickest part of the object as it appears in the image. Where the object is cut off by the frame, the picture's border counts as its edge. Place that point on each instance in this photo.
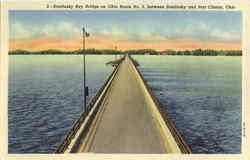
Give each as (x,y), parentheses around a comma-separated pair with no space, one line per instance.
(124,50)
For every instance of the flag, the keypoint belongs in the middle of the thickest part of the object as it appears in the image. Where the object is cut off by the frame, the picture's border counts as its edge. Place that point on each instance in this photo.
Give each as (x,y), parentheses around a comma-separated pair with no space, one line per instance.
(87,34)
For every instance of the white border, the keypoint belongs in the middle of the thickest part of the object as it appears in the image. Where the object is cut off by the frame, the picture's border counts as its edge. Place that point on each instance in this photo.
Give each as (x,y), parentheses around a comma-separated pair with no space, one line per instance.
(242,5)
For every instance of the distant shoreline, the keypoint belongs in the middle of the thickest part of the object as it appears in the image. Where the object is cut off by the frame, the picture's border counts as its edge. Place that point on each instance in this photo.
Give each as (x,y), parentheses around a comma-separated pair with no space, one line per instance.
(197,52)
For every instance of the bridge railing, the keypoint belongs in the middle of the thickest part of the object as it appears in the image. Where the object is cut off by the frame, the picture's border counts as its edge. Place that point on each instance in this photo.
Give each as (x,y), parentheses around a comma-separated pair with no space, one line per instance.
(76,126)
(178,138)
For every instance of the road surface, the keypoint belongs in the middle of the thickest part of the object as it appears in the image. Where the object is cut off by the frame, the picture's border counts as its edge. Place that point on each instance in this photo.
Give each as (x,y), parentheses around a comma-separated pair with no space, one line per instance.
(125,124)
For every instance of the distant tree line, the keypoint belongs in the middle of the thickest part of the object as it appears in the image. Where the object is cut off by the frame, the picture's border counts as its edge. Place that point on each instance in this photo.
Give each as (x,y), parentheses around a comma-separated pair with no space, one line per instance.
(204,52)
(141,52)
(197,52)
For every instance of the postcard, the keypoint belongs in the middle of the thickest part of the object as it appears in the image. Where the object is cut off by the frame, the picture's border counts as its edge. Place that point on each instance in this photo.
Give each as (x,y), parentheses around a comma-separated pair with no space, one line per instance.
(124,80)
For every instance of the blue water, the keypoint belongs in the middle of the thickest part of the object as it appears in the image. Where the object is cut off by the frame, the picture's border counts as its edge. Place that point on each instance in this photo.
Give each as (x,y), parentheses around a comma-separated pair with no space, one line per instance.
(46,97)
(202,96)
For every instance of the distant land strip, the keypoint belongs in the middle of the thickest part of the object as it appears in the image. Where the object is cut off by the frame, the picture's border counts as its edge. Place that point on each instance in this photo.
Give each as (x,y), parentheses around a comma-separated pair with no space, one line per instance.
(196,52)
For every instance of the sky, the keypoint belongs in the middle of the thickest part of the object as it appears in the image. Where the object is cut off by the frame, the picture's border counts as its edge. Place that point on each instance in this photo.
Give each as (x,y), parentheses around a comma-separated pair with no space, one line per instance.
(159,30)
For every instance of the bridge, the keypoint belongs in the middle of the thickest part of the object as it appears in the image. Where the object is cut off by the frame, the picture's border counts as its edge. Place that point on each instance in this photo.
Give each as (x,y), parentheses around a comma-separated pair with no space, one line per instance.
(124,117)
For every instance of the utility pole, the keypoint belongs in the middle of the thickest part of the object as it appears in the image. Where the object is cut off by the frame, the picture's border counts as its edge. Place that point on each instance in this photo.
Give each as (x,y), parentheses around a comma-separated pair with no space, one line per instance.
(85,34)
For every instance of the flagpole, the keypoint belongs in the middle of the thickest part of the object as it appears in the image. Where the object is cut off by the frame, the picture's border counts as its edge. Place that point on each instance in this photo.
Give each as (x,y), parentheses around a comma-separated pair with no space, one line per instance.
(84,71)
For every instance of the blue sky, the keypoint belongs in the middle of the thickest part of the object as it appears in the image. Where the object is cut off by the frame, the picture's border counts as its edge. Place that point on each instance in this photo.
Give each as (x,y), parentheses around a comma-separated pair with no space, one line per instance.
(140,27)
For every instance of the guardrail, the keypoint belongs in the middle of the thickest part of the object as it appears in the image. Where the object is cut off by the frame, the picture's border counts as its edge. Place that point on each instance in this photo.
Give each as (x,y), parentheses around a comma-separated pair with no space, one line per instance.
(76,126)
(179,140)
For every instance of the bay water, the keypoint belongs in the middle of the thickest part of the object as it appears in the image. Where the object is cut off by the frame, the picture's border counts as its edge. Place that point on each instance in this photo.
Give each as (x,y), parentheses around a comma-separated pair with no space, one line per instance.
(201,95)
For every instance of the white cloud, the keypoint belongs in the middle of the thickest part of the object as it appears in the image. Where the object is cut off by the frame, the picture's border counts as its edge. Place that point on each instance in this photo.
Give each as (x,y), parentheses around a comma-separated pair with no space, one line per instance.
(203,30)
(62,29)
(48,31)
(66,30)
(192,29)
(145,35)
(217,33)
(149,36)
(117,32)
(223,35)
(204,26)
(20,31)
(66,27)
(114,32)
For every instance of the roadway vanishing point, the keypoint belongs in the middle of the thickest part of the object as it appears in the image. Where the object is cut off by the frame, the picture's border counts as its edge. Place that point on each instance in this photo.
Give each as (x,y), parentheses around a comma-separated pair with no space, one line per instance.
(124,117)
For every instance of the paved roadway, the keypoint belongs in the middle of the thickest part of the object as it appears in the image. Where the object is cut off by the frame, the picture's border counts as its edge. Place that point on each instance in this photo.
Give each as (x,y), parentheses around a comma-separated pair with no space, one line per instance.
(125,124)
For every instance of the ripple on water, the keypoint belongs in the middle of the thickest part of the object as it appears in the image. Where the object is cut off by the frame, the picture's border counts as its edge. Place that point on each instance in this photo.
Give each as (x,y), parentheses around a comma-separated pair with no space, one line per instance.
(205,108)
(45,98)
